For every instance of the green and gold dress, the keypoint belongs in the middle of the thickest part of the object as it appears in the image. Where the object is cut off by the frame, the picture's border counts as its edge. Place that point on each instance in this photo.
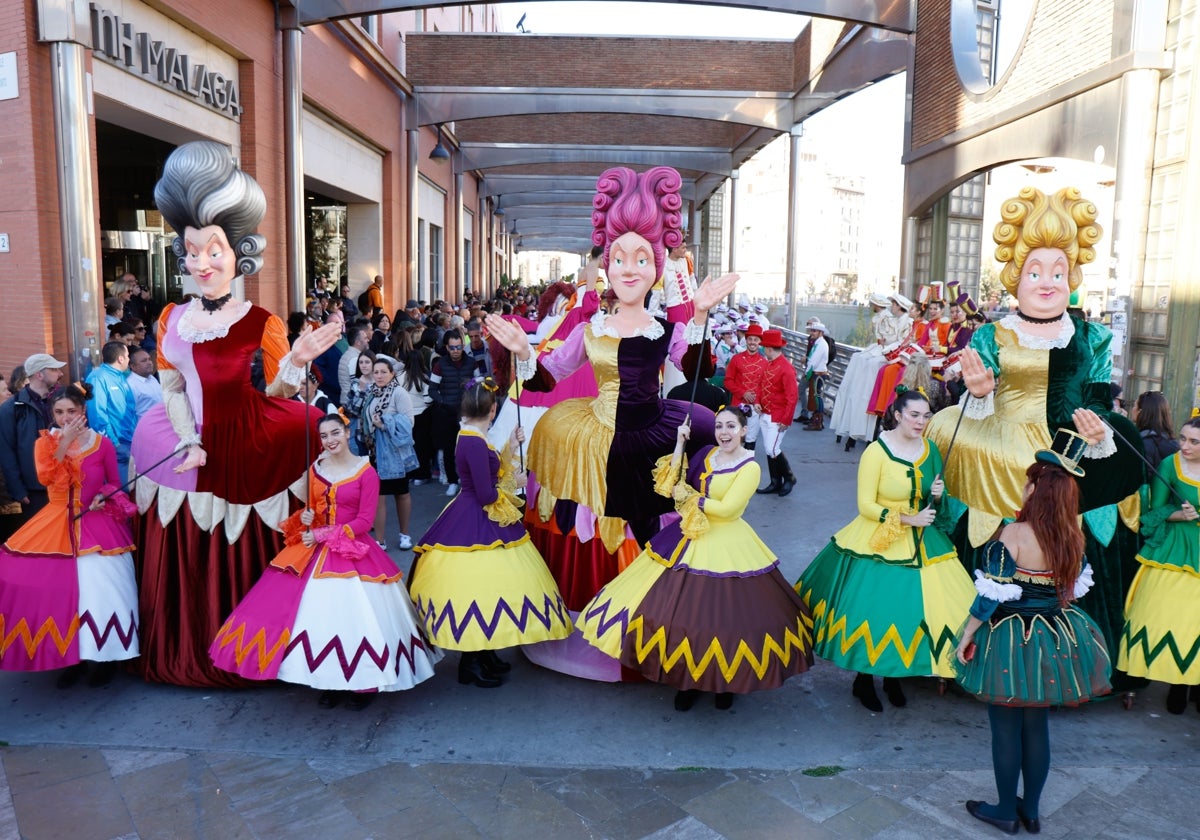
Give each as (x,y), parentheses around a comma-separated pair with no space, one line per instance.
(1161,637)
(887,598)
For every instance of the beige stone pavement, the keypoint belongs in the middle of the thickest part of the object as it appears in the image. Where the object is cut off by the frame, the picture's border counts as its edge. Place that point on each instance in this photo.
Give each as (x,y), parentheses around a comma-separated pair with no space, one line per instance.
(549,756)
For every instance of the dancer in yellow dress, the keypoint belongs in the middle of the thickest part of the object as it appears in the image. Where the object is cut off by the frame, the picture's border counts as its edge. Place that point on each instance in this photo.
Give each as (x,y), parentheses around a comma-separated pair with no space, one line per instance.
(704,607)
(1161,638)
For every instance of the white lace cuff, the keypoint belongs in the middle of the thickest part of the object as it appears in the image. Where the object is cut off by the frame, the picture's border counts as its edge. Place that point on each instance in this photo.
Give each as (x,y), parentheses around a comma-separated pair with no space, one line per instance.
(994,590)
(1084,582)
(526,368)
(289,374)
(693,333)
(1102,448)
(979,408)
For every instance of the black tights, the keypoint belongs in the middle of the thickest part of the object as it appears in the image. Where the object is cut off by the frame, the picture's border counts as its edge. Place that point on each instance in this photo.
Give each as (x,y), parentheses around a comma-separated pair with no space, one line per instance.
(1020,749)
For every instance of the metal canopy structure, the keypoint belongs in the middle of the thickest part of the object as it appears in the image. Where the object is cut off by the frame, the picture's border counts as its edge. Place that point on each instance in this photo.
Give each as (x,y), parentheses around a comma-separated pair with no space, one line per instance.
(536,118)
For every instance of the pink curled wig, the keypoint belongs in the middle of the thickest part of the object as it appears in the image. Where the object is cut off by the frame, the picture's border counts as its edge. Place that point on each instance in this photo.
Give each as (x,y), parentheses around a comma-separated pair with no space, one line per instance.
(646,204)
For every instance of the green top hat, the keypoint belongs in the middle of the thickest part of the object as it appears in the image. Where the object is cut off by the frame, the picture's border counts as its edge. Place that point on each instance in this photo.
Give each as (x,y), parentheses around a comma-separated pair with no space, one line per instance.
(1066,450)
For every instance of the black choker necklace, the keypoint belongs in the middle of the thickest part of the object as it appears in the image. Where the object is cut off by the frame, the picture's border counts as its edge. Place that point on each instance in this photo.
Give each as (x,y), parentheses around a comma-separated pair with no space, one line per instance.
(213,304)
(1033,320)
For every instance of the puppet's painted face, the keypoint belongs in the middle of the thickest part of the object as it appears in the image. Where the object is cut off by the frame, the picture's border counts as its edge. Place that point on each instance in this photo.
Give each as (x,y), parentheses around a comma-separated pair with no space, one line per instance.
(1044,291)
(209,259)
(631,267)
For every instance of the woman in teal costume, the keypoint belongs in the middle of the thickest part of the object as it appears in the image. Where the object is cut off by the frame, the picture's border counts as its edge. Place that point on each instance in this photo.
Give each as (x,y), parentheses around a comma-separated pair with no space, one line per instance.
(1161,639)
(1026,647)
(887,594)
(1035,371)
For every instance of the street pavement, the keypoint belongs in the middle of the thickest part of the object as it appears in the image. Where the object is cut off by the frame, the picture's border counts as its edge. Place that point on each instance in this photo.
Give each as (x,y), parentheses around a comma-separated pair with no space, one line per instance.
(550,756)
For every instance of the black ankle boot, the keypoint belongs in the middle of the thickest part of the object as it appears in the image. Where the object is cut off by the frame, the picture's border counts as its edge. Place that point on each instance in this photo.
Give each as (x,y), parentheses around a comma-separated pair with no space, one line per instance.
(1177,699)
(864,690)
(493,663)
(723,700)
(685,699)
(850,442)
(773,469)
(895,694)
(471,671)
(71,675)
(102,674)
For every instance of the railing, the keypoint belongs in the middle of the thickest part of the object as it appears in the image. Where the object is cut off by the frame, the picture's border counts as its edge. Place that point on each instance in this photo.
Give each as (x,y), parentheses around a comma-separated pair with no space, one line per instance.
(796,351)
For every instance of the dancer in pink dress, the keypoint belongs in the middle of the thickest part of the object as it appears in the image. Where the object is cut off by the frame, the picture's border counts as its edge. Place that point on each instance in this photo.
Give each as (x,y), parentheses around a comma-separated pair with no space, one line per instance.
(330,611)
(67,590)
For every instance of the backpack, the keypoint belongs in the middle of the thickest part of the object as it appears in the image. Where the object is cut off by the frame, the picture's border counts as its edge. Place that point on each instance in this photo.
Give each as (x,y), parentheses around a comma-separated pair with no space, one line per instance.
(364,301)
(833,349)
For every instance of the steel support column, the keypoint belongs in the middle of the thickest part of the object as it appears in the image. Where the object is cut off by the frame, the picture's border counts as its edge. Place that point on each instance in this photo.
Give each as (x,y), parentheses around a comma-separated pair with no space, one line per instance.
(410,230)
(459,265)
(733,220)
(82,290)
(293,159)
(793,244)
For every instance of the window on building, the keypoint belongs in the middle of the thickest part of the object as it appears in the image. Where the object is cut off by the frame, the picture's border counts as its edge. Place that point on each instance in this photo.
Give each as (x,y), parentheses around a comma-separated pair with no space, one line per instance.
(437,285)
(422,249)
(370,25)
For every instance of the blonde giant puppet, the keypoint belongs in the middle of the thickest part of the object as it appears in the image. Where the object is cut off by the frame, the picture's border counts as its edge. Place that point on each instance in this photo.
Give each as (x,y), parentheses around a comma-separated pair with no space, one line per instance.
(1037,370)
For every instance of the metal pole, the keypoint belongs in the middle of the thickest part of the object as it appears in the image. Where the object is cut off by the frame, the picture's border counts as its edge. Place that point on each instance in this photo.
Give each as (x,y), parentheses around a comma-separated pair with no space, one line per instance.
(459,266)
(414,151)
(293,158)
(82,288)
(733,219)
(793,244)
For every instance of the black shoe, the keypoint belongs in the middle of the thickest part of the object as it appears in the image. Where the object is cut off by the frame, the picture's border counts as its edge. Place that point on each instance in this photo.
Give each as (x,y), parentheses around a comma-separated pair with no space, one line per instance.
(685,699)
(802,418)
(1177,699)
(471,671)
(493,664)
(723,700)
(850,442)
(895,694)
(773,487)
(864,690)
(1195,695)
(359,700)
(329,699)
(71,675)
(789,481)
(1007,826)
(102,674)
(837,438)
(1032,826)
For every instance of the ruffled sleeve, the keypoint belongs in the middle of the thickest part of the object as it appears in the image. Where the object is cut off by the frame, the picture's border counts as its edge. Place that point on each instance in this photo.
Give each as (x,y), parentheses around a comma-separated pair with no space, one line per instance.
(118,505)
(1085,581)
(993,582)
(51,471)
(665,478)
(692,521)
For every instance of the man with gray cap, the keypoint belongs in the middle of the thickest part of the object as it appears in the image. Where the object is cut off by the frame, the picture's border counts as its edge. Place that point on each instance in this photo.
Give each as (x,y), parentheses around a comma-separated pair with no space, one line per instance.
(21,419)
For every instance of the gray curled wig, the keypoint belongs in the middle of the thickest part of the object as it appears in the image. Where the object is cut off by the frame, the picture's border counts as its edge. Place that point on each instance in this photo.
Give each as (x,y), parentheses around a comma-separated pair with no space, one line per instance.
(201,185)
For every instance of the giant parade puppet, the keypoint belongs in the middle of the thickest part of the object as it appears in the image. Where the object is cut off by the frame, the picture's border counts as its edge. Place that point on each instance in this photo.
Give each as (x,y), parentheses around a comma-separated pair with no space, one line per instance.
(591,498)
(1037,370)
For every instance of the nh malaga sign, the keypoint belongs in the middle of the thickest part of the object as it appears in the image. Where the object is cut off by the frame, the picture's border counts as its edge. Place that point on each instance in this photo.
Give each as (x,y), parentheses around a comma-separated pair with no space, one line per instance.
(142,54)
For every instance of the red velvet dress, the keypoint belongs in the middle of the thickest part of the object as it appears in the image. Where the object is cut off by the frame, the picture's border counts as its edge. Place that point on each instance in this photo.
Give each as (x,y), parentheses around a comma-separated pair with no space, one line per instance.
(205,536)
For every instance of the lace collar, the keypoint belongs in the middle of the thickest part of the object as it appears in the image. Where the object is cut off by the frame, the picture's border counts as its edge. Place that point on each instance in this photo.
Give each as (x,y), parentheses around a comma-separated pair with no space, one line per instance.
(193,334)
(600,327)
(1012,321)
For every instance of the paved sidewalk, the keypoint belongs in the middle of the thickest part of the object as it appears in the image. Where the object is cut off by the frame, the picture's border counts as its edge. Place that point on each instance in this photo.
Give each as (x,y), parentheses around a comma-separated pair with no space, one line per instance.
(549,756)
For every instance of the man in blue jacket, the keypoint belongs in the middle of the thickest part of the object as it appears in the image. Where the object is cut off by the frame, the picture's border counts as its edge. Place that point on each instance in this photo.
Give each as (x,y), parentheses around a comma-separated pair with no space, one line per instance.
(112,411)
(22,418)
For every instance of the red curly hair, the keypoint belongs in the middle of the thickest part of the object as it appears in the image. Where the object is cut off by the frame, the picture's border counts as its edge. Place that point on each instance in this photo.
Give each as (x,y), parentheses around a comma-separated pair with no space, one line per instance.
(1052,511)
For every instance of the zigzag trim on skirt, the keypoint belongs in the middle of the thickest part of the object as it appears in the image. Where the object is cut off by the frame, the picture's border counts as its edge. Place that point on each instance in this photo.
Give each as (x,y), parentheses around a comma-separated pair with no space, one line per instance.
(32,641)
(1141,639)
(435,617)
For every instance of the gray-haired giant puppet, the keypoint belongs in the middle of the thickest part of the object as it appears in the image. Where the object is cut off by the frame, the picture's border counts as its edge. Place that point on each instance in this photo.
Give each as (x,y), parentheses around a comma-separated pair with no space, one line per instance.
(211,515)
